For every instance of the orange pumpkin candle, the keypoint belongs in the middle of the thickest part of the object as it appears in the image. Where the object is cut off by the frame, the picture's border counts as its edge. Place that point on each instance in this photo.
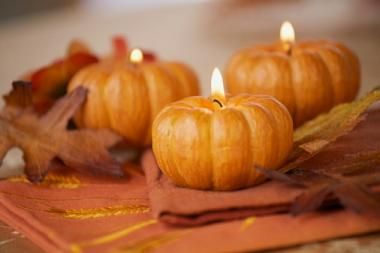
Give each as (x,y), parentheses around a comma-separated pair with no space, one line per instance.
(216,143)
(308,77)
(125,95)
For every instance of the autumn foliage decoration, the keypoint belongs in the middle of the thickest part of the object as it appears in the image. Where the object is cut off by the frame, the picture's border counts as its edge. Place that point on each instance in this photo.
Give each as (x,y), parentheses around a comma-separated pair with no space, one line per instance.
(309,79)
(202,146)
(46,142)
(49,82)
(126,96)
(353,180)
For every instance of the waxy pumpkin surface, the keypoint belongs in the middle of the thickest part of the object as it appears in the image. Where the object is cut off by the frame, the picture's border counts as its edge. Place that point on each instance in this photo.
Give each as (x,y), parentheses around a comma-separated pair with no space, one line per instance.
(126,97)
(200,145)
(308,79)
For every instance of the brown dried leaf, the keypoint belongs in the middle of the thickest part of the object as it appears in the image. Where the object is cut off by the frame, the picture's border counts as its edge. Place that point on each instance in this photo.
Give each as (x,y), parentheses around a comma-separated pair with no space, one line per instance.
(340,120)
(317,134)
(351,181)
(19,99)
(310,200)
(359,198)
(359,163)
(352,190)
(45,138)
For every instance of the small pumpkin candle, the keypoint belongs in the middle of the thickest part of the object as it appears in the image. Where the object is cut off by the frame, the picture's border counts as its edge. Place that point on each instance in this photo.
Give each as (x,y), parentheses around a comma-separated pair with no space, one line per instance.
(216,143)
(308,77)
(125,95)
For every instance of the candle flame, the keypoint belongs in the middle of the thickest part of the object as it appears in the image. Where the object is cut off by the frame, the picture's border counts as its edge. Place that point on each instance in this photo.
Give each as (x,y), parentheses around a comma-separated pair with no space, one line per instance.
(217,89)
(136,56)
(287,33)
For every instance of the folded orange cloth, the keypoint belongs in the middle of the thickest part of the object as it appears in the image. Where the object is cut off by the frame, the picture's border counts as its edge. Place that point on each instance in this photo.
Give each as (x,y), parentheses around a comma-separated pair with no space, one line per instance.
(70,212)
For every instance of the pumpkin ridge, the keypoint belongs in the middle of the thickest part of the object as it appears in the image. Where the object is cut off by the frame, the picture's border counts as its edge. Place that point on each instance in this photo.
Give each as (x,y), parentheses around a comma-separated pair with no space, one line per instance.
(294,113)
(252,175)
(95,84)
(119,74)
(209,144)
(162,150)
(220,117)
(296,100)
(150,117)
(337,53)
(107,109)
(314,80)
(263,109)
(280,111)
(211,141)
(275,128)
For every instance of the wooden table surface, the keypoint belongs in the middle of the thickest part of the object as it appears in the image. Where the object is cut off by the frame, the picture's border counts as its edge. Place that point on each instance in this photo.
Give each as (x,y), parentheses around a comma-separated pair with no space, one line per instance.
(201,33)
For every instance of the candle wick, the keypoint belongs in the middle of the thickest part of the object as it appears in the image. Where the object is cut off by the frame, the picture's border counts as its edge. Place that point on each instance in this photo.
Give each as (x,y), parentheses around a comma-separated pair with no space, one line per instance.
(218,102)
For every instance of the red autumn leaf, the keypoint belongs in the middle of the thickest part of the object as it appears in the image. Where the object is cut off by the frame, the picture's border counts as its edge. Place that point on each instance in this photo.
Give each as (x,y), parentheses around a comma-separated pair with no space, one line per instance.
(50,82)
(45,138)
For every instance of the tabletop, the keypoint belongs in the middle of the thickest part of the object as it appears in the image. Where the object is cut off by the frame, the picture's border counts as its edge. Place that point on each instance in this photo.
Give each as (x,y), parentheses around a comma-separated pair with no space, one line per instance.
(203,34)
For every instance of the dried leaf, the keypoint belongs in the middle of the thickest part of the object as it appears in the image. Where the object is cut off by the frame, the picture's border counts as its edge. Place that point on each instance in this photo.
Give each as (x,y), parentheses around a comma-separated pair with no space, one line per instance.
(315,135)
(50,82)
(45,138)
(311,199)
(358,198)
(282,177)
(359,163)
(340,120)
(352,190)
(19,97)
(351,181)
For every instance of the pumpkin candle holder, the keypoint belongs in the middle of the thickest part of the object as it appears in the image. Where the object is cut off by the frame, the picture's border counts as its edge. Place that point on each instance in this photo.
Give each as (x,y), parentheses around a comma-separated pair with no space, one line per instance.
(308,77)
(216,143)
(126,94)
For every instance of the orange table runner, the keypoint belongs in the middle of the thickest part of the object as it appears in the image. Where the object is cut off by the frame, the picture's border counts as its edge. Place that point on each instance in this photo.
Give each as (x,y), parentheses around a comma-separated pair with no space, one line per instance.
(70,212)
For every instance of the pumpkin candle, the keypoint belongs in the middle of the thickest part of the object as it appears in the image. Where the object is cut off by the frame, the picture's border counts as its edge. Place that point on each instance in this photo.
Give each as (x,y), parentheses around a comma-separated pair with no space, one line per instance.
(216,143)
(308,77)
(125,94)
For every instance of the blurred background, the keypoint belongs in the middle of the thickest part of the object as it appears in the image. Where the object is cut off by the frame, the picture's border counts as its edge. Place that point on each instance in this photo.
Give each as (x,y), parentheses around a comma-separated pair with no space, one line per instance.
(199,32)
(202,33)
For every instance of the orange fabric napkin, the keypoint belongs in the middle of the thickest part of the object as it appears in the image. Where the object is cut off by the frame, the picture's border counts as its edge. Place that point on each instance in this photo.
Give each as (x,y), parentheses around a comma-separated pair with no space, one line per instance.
(101,216)
(70,212)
